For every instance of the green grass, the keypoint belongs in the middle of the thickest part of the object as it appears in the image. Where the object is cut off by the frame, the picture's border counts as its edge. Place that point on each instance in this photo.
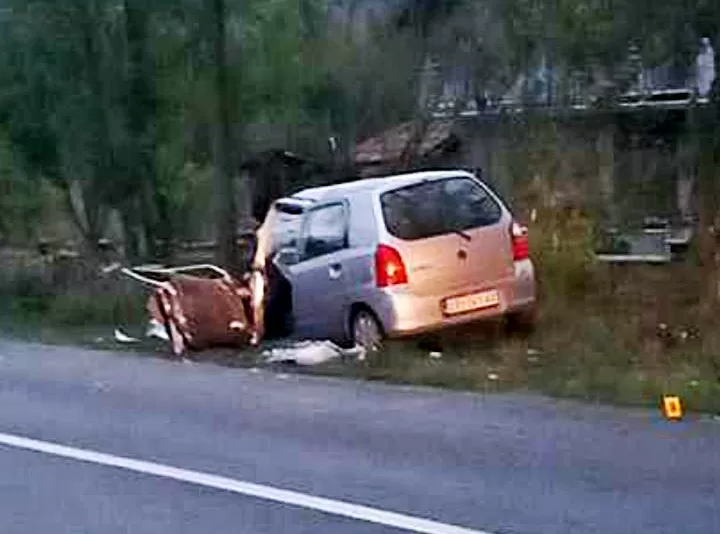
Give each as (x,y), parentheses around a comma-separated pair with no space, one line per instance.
(588,362)
(597,339)
(33,308)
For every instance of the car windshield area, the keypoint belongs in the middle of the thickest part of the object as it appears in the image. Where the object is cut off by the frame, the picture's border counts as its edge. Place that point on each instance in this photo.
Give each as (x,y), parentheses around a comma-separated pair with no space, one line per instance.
(438,207)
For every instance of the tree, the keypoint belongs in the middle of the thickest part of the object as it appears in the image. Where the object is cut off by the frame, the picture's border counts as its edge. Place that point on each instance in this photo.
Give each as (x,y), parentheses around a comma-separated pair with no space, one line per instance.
(225,208)
(141,110)
(56,112)
(598,34)
(420,18)
(21,200)
(672,34)
(85,111)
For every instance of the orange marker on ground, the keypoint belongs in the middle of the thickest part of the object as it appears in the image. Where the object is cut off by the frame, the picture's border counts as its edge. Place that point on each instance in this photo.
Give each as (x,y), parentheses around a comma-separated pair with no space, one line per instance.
(672,407)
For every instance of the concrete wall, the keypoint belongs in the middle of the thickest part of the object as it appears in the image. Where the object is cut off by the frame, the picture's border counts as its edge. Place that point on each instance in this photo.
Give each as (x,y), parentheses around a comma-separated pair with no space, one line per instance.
(621,175)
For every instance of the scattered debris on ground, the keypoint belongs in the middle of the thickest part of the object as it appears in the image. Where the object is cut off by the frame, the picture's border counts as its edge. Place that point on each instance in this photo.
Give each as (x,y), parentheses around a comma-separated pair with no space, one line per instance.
(156,329)
(310,353)
(122,337)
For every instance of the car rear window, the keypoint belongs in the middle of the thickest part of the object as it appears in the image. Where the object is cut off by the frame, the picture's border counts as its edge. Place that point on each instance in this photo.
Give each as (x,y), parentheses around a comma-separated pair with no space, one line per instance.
(438,207)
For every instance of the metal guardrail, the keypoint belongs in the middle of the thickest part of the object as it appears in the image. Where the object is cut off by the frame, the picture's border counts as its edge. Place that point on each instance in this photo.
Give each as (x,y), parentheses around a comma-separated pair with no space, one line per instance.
(634,258)
(661,98)
(650,246)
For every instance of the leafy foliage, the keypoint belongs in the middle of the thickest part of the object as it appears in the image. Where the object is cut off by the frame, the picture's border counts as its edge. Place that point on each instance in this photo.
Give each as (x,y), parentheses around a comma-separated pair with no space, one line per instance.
(110,100)
(21,200)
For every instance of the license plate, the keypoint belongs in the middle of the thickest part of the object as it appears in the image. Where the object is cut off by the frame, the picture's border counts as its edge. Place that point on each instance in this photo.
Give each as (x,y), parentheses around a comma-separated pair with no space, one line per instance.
(471,302)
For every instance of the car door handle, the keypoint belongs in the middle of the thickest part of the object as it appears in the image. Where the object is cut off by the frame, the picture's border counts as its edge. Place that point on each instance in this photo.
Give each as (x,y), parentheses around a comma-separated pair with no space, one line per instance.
(334,271)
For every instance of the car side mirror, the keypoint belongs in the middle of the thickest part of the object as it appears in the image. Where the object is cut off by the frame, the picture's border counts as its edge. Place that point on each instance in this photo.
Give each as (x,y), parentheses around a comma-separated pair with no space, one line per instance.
(288,256)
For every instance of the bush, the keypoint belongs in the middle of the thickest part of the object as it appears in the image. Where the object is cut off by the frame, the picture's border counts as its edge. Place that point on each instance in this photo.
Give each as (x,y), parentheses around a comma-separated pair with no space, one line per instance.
(24,291)
(564,255)
(103,302)
(34,292)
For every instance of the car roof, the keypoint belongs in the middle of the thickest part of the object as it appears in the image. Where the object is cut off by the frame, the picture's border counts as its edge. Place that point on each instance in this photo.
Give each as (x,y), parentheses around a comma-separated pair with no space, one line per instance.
(373,185)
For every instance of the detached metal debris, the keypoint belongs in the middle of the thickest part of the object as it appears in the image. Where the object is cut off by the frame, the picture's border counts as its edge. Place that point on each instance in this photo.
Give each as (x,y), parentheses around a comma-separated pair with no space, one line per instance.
(197,311)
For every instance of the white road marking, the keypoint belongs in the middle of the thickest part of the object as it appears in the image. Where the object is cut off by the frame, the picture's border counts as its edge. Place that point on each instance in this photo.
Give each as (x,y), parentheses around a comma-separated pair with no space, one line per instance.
(329,506)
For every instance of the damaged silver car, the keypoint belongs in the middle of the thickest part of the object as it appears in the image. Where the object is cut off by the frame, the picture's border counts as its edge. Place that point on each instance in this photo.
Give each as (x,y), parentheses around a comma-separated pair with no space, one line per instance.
(393,257)
(360,262)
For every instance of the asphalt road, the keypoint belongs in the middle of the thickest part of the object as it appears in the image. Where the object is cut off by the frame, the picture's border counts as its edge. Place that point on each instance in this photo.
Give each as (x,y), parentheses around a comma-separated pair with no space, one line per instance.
(495,464)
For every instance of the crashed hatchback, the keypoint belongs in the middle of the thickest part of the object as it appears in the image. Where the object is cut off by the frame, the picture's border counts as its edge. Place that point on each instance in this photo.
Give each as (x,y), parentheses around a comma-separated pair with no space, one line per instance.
(391,257)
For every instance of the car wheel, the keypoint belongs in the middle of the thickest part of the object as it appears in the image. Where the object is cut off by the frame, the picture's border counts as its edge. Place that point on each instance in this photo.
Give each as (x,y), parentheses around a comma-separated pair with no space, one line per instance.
(366,331)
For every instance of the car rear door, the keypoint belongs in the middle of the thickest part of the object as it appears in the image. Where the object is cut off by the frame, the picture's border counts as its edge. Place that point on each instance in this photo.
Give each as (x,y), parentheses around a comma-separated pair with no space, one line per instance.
(414,218)
(319,278)
(453,236)
(474,212)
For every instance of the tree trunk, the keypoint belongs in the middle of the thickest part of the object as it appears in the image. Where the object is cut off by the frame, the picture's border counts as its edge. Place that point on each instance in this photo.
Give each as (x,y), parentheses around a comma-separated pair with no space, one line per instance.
(130,238)
(141,115)
(411,152)
(75,203)
(421,95)
(708,127)
(225,205)
(708,183)
(605,146)
(99,150)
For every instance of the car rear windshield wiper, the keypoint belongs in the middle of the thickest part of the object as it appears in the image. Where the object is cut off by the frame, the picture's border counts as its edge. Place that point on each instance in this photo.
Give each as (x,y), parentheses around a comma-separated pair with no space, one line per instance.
(461,233)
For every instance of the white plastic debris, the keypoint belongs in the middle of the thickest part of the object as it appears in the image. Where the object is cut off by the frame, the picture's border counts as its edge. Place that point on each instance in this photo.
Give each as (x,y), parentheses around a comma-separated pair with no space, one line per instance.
(157,330)
(356,352)
(110,268)
(309,353)
(493,377)
(435,355)
(122,337)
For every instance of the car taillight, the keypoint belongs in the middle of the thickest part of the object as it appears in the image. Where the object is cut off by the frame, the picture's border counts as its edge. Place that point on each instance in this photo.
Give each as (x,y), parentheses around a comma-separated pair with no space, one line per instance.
(520,243)
(389,267)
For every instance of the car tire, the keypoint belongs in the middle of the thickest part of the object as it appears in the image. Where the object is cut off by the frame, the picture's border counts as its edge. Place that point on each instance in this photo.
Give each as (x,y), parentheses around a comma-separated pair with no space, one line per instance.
(365,330)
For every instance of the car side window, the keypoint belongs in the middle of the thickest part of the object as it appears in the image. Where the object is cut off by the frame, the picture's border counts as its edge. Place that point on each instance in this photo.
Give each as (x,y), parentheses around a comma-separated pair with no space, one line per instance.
(468,204)
(325,231)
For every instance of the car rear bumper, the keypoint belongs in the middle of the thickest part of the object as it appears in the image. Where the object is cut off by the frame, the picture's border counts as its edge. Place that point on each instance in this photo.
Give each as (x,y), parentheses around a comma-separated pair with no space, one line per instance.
(404,314)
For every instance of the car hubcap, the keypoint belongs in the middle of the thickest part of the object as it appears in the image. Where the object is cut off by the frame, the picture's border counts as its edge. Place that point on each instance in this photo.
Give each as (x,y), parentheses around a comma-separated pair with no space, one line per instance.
(366,332)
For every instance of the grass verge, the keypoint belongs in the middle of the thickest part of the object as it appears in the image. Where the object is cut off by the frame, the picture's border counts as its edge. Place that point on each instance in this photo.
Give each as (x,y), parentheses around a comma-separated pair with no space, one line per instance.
(614,335)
